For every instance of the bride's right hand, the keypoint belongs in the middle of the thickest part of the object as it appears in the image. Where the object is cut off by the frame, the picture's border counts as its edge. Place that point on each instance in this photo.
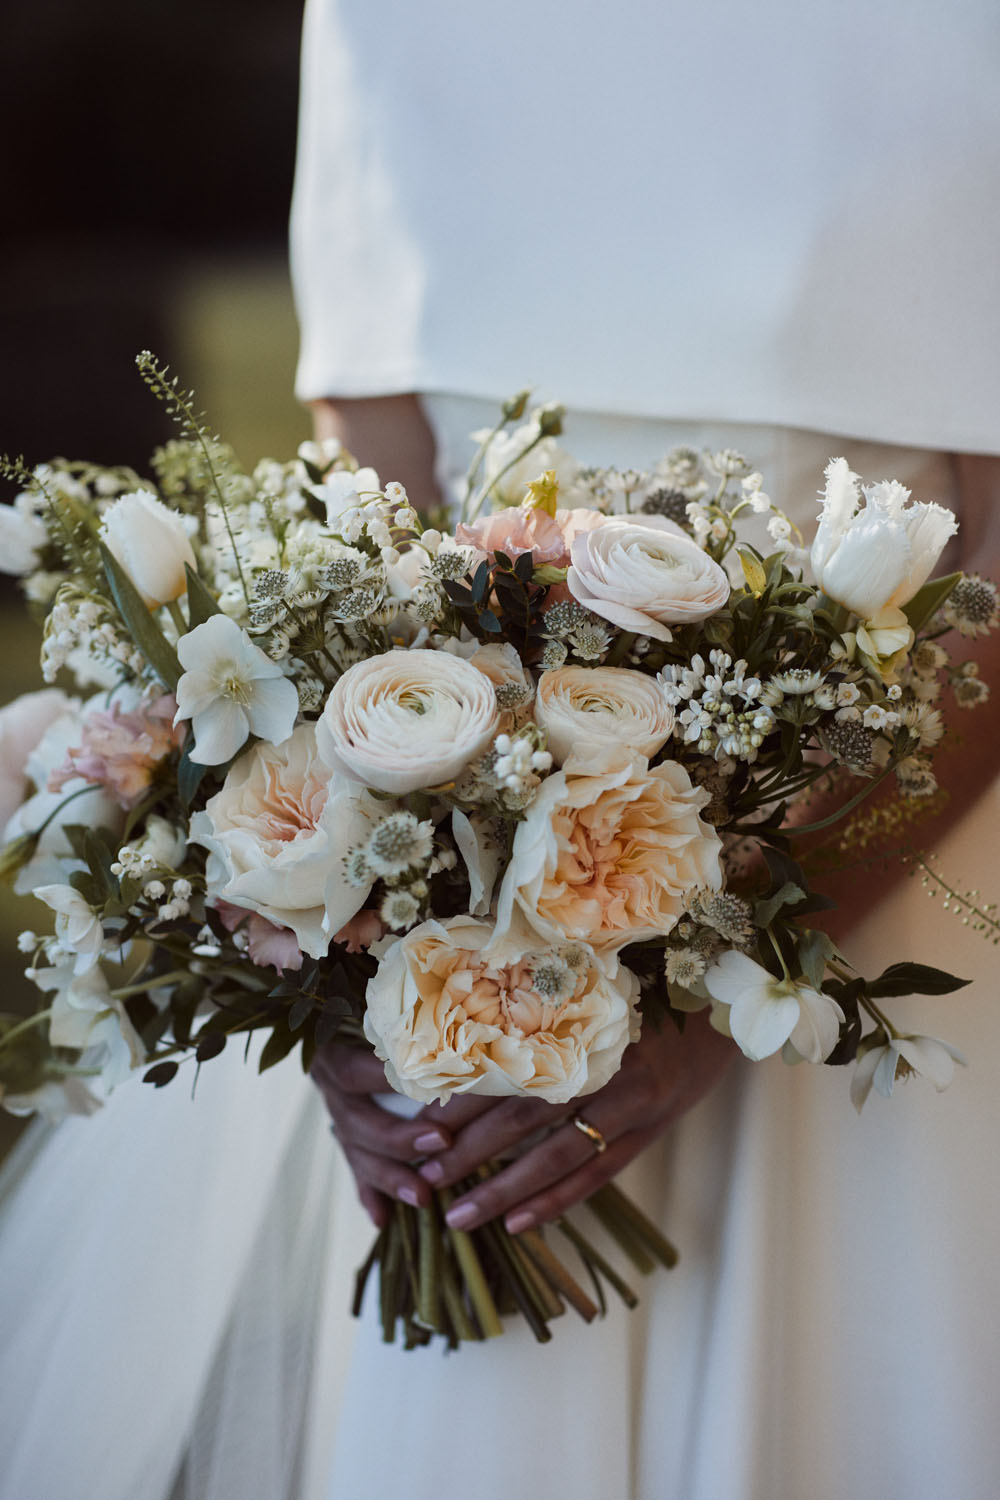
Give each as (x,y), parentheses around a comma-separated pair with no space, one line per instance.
(381,1148)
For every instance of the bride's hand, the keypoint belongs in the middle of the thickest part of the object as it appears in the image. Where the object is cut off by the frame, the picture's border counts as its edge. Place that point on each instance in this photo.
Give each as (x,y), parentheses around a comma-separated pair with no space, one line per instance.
(380,1147)
(661,1077)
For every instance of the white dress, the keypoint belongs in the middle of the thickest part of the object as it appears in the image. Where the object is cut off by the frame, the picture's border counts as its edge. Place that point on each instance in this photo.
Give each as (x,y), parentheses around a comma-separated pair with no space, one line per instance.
(799,230)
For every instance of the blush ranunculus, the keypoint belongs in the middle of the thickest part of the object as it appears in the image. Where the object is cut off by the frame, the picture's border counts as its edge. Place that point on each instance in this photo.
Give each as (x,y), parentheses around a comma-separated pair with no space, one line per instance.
(645,574)
(602,706)
(452,1010)
(278,834)
(408,719)
(609,852)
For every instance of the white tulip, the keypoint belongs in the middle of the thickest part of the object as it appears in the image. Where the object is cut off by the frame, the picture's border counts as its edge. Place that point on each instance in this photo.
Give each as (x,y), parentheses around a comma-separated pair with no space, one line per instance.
(875,557)
(151,544)
(22,536)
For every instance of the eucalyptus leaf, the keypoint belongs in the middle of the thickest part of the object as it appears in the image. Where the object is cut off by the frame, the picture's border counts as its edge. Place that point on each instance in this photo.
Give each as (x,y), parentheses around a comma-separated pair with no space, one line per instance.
(914,979)
(139,622)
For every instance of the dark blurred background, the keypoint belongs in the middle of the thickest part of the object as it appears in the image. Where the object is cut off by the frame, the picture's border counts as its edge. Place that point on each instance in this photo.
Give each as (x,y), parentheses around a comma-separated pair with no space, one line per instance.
(147,171)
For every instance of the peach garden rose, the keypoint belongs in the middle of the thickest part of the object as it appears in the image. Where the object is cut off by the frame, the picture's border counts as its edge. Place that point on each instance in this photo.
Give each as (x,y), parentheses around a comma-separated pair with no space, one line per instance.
(277,835)
(609,852)
(453,1009)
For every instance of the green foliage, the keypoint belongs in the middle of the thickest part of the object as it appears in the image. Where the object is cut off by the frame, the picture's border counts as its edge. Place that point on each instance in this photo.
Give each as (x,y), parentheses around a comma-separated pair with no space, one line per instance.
(139,622)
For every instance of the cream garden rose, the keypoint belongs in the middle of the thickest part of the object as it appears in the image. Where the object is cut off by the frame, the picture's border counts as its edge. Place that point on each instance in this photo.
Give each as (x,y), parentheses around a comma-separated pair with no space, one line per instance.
(609,852)
(602,706)
(151,544)
(453,1009)
(408,719)
(645,574)
(278,834)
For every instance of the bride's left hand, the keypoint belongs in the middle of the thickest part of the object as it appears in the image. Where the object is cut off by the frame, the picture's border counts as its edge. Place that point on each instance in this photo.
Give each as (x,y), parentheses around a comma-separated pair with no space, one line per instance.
(661,1077)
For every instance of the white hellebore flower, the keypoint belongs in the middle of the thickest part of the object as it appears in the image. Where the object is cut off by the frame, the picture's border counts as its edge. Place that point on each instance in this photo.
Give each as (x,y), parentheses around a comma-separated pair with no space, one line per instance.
(78,928)
(86,1016)
(150,542)
(602,706)
(408,719)
(230,689)
(900,1056)
(874,558)
(765,1013)
(644,574)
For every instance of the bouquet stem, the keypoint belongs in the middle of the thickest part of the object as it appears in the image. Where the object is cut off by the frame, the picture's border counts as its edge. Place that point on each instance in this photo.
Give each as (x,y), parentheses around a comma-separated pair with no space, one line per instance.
(457,1284)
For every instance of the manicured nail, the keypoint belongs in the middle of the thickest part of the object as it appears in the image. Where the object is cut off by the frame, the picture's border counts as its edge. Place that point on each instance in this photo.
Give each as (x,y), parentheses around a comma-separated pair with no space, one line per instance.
(409,1195)
(462,1216)
(431,1171)
(514,1223)
(432,1141)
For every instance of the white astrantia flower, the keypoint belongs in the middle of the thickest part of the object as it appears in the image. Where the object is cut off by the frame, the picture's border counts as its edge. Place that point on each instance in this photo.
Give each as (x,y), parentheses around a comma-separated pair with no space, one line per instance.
(79,929)
(765,1012)
(901,1057)
(229,690)
(875,557)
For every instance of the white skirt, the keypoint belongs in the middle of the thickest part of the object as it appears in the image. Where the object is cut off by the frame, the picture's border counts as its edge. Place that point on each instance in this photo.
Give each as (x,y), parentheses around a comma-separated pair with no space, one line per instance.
(175,1278)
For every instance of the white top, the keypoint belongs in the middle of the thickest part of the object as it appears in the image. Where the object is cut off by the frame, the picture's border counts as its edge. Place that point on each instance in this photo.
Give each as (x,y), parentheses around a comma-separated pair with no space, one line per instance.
(772,213)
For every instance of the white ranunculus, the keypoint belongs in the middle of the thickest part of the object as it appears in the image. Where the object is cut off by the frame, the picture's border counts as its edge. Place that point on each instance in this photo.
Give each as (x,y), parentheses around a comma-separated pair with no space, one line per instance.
(765,1012)
(229,690)
(602,706)
(22,725)
(22,536)
(454,1010)
(898,1057)
(408,719)
(874,557)
(151,544)
(645,574)
(278,833)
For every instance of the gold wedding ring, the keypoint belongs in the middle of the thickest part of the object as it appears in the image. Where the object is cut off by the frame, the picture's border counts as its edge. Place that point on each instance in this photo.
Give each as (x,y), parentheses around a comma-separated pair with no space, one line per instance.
(591,1132)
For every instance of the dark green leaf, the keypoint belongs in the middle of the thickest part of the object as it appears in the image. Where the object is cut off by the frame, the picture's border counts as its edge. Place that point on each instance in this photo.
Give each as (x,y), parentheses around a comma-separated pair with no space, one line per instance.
(928,600)
(524,566)
(190,773)
(914,979)
(210,1046)
(489,621)
(161,1074)
(278,1045)
(139,623)
(788,895)
(504,560)
(783,868)
(328,1023)
(301,1011)
(480,582)
(201,603)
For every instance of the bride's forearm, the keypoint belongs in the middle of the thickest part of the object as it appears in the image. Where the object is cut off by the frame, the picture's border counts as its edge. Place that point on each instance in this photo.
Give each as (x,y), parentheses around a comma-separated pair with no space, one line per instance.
(391,433)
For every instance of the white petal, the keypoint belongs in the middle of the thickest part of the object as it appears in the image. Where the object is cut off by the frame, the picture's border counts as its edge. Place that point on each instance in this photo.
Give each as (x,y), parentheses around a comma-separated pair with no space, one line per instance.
(864,1074)
(274,706)
(219,732)
(818,1028)
(761,1023)
(930,1058)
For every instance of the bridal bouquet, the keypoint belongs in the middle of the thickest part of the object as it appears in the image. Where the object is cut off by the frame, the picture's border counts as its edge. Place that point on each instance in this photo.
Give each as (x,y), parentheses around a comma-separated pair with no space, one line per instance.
(485,800)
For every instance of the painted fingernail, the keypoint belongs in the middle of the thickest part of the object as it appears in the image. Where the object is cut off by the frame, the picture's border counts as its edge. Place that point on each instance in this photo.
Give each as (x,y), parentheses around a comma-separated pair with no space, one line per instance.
(432,1171)
(514,1223)
(461,1216)
(432,1141)
(409,1195)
